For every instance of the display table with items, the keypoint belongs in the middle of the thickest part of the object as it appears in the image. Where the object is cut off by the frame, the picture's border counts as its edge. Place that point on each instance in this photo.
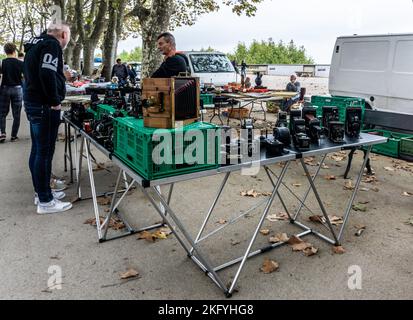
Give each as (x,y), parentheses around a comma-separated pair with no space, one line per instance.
(150,157)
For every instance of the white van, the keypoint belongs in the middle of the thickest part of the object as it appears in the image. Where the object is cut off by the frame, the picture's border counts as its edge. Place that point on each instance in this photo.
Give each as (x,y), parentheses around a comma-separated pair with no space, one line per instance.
(211,67)
(378,68)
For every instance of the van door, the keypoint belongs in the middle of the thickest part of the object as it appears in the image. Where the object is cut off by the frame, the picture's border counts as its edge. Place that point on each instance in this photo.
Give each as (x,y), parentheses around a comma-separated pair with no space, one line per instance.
(360,68)
(401,77)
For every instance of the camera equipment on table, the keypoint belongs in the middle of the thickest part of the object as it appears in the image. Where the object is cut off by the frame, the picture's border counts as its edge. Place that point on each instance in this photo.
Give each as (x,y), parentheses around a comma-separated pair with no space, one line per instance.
(329,114)
(298,130)
(282,119)
(248,124)
(114,98)
(136,105)
(273,147)
(78,114)
(353,122)
(102,130)
(336,131)
(312,124)
(282,134)
(170,102)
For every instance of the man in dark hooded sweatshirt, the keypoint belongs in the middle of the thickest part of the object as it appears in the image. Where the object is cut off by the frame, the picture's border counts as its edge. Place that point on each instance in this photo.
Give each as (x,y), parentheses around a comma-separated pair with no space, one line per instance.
(43,93)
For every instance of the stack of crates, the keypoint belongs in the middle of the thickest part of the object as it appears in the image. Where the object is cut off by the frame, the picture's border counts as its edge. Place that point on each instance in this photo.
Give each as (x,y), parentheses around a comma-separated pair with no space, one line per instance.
(392,147)
(145,150)
(337,101)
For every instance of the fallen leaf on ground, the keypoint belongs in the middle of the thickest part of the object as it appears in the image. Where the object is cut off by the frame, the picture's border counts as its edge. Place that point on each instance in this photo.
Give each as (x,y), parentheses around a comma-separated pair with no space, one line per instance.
(294,240)
(359,207)
(348,185)
(148,236)
(389,168)
(324,166)
(301,246)
(338,250)
(364,202)
(269,266)
(407,194)
(129,274)
(316,219)
(114,223)
(266,194)
(375,189)
(265,232)
(103,201)
(310,161)
(369,179)
(335,220)
(281,237)
(159,235)
(296,185)
(166,230)
(281,216)
(330,177)
(310,251)
(222,221)
(250,193)
(364,189)
(235,242)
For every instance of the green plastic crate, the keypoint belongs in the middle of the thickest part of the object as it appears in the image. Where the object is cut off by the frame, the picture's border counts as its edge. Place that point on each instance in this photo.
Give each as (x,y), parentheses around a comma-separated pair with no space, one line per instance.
(337,101)
(406,147)
(107,109)
(392,147)
(207,98)
(93,112)
(133,144)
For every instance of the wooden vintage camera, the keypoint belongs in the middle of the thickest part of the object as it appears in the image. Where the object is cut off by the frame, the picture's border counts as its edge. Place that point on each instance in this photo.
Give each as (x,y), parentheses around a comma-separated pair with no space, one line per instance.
(170,102)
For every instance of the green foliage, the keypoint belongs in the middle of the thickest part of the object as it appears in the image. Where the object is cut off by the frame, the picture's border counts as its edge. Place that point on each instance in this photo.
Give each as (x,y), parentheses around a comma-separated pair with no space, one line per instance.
(2,56)
(209,49)
(134,55)
(267,52)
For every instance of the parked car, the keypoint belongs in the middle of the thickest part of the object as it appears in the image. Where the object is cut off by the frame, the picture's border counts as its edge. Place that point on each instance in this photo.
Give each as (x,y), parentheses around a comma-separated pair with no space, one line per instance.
(211,67)
(378,68)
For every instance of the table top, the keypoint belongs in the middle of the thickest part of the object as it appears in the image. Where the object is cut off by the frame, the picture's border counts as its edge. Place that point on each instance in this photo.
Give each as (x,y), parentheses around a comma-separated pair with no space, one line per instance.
(325,146)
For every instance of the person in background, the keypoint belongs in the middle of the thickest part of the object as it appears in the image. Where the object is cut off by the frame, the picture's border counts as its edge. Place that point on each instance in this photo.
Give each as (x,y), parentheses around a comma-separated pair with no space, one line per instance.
(45,89)
(120,71)
(11,93)
(292,86)
(174,63)
(132,74)
(20,56)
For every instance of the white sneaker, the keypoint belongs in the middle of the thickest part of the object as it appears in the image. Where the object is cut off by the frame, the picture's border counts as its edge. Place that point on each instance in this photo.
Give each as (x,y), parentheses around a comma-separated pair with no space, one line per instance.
(54,206)
(56,195)
(57,185)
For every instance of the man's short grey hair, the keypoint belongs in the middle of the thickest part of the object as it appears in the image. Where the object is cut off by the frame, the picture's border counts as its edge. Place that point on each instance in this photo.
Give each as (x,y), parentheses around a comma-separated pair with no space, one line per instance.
(56,27)
(168,38)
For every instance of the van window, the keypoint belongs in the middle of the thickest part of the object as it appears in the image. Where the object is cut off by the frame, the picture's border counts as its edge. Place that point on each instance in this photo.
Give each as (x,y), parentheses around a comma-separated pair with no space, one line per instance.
(367,56)
(403,61)
(210,63)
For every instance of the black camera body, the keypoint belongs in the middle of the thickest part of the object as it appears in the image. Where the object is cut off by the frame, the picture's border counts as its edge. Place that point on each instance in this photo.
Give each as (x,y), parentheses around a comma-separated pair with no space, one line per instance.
(336,131)
(312,124)
(353,122)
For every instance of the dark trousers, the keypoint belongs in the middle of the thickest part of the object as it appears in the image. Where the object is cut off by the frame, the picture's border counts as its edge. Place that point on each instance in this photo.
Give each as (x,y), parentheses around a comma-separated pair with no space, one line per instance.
(10,95)
(44,126)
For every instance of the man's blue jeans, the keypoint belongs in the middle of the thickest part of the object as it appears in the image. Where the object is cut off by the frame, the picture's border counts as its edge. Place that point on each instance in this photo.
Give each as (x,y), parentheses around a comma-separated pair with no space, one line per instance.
(44,125)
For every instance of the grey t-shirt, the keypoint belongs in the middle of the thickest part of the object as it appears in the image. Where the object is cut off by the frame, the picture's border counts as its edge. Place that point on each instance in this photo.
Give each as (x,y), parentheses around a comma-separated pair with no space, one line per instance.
(293,87)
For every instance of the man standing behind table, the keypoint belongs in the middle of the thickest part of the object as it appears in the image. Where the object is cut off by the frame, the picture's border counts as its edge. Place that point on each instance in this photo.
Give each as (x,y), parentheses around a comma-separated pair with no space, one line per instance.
(11,70)
(44,91)
(174,62)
